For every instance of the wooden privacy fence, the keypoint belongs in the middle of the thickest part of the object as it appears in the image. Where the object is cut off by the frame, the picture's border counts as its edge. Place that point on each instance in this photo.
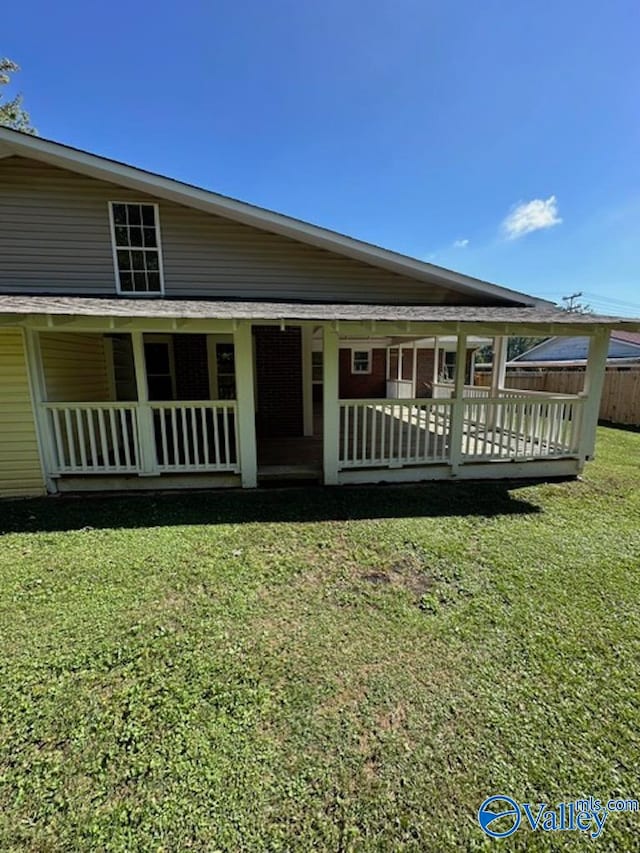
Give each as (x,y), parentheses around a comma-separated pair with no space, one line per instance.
(620,401)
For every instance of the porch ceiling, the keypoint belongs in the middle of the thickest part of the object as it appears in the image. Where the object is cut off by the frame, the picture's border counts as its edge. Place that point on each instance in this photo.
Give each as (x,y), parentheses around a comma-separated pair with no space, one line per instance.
(24,307)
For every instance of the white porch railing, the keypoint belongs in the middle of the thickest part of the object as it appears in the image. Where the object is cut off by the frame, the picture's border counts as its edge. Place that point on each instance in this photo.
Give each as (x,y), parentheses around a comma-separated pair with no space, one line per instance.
(94,438)
(393,433)
(444,391)
(106,437)
(196,436)
(511,427)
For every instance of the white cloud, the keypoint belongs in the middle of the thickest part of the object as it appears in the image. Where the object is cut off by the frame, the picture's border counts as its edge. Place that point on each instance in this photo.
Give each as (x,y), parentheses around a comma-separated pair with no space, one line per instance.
(460,244)
(530,216)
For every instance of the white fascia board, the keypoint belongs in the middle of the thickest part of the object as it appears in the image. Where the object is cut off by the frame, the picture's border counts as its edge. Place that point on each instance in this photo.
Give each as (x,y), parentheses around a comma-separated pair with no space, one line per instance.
(63,156)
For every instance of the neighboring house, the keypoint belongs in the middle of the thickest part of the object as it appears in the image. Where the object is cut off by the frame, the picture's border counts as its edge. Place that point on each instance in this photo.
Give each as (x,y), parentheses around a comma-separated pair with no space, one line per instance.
(573,352)
(153,334)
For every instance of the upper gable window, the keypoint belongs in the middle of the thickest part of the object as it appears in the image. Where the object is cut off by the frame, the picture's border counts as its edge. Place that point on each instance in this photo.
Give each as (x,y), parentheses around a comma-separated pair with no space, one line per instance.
(137,254)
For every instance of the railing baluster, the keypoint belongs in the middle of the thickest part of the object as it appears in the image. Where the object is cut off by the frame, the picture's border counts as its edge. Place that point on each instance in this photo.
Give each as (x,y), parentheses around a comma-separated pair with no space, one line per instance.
(194,435)
(125,437)
(174,439)
(205,432)
(216,438)
(355,444)
(162,417)
(81,446)
(365,433)
(60,449)
(70,438)
(104,445)
(344,408)
(92,438)
(114,438)
(374,434)
(226,438)
(184,438)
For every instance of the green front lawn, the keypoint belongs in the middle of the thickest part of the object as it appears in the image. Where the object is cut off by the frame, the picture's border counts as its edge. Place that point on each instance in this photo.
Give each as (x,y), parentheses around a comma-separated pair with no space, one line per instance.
(350,669)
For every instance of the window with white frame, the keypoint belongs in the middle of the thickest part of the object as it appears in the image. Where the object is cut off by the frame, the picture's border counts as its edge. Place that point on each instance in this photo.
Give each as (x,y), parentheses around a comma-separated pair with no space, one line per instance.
(361,361)
(137,253)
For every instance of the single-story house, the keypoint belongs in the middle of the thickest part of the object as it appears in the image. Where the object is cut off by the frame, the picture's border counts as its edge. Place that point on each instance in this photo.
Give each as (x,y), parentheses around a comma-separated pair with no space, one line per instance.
(573,352)
(157,335)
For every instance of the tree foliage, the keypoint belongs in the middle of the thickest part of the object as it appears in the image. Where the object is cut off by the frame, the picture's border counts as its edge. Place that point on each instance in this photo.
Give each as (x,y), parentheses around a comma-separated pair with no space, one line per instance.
(12,113)
(515,346)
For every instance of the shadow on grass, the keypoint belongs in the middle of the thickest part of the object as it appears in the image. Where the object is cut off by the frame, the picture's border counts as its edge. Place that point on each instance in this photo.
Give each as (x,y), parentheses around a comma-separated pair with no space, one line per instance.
(282,505)
(623,427)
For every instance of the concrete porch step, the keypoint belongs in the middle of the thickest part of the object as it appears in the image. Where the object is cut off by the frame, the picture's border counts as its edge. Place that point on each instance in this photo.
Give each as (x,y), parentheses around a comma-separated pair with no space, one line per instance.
(272,473)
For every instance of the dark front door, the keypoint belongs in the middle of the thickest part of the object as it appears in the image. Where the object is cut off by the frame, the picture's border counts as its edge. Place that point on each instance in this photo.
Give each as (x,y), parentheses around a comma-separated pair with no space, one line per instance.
(278,381)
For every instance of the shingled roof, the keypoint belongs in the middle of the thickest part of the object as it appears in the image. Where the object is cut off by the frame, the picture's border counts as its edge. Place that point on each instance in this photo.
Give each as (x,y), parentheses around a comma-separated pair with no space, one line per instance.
(204,309)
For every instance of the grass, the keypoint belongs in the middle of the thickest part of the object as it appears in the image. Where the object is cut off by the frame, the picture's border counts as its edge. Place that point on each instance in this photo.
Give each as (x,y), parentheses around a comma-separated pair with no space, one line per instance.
(334,670)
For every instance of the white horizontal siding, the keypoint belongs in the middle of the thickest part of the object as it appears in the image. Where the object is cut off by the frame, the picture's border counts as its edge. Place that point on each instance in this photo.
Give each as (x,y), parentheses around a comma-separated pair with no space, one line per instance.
(54,237)
(20,469)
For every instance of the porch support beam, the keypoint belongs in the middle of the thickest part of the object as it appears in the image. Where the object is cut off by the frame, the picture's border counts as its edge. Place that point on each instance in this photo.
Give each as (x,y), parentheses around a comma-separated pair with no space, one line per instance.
(436,359)
(38,393)
(245,397)
(159,325)
(146,438)
(414,370)
(330,405)
(457,409)
(419,329)
(307,379)
(348,328)
(499,368)
(593,384)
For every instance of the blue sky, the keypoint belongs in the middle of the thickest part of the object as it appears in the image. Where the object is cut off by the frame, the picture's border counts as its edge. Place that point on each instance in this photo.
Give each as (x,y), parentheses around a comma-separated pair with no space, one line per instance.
(500,139)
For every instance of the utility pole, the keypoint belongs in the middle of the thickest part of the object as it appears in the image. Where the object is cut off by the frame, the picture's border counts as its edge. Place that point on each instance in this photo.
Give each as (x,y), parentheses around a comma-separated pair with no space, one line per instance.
(572,305)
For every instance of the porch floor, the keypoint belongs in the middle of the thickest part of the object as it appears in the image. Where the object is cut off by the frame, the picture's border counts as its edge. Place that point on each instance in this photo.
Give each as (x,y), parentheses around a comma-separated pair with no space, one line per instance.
(303,454)
(296,455)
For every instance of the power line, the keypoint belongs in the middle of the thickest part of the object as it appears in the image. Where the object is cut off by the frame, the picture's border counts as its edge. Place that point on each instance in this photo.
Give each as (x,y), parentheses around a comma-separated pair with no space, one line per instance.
(594,297)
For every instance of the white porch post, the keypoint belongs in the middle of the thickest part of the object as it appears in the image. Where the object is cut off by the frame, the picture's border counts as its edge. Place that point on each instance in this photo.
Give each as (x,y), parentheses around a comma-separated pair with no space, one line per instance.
(38,391)
(146,437)
(593,383)
(499,366)
(457,408)
(246,411)
(436,359)
(414,371)
(307,379)
(330,406)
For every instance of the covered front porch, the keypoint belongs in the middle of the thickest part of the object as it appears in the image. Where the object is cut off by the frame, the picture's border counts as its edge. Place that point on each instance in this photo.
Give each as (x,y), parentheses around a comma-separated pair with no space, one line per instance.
(118,407)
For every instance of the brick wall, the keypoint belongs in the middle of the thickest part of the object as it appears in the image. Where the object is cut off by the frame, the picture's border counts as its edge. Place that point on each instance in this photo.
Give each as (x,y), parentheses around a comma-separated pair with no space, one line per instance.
(358,385)
(279,381)
(424,373)
(374,384)
(191,365)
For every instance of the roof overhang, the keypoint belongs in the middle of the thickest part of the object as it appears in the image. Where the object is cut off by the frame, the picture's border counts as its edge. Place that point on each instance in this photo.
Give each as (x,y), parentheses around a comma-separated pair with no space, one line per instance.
(425,320)
(63,156)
